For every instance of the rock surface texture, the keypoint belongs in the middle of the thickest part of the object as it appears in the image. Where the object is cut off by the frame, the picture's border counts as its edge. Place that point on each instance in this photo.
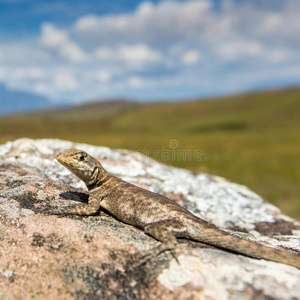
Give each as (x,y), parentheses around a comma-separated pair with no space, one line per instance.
(53,257)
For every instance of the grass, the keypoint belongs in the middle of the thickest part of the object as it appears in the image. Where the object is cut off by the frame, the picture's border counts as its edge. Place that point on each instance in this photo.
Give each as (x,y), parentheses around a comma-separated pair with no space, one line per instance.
(252,139)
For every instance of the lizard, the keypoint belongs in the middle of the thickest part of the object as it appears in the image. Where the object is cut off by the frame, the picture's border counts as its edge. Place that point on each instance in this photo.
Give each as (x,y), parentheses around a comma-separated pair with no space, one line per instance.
(159,216)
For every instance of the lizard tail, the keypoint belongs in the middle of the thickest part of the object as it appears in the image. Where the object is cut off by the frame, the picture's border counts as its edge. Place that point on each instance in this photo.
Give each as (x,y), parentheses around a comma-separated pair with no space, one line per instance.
(212,235)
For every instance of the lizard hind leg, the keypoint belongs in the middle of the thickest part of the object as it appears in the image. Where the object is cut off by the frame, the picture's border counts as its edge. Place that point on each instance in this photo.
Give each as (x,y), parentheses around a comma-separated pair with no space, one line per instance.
(165,232)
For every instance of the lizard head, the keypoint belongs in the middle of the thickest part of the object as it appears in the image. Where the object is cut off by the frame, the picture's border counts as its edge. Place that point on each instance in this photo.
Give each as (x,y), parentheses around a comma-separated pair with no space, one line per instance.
(84,166)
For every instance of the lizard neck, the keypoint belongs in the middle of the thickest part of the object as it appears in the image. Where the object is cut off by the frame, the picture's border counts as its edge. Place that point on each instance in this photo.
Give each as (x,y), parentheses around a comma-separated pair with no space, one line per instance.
(98,177)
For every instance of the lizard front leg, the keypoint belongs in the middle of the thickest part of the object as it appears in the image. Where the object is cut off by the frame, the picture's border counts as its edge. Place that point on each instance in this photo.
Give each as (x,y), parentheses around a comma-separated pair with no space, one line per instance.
(82,209)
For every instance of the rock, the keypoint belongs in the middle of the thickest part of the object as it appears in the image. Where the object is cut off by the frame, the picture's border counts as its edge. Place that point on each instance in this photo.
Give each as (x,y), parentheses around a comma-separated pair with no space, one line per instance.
(66,257)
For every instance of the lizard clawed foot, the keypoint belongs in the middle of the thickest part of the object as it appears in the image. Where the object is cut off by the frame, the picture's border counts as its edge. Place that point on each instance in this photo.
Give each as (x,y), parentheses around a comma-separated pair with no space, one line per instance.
(174,256)
(146,257)
(155,252)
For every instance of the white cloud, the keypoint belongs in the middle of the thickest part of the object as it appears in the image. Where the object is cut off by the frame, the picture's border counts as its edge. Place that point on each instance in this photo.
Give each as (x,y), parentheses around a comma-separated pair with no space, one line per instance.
(170,48)
(2,74)
(41,88)
(64,81)
(236,49)
(145,8)
(104,53)
(138,54)
(59,41)
(29,73)
(165,22)
(190,57)
(103,76)
(136,82)
(52,37)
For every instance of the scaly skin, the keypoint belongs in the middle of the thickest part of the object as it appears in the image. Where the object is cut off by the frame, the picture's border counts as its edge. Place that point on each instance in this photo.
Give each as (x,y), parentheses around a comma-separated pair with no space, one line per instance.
(159,216)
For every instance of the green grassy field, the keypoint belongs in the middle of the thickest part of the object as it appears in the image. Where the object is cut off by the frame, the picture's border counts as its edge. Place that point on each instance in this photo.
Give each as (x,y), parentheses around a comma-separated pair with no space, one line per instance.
(251,139)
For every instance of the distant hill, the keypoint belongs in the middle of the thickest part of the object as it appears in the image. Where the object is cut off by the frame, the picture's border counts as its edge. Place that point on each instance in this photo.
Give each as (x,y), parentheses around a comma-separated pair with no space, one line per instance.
(100,107)
(12,102)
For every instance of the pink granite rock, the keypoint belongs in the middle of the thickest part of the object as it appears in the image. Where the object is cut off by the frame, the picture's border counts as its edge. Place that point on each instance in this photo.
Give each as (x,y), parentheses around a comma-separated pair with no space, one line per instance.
(67,257)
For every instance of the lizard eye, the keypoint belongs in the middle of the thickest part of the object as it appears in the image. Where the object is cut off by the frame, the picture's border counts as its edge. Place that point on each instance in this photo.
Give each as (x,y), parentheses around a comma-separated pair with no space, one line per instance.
(81,157)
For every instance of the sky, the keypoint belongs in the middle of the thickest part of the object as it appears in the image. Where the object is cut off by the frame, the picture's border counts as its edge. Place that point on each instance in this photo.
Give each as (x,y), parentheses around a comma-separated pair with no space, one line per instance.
(72,50)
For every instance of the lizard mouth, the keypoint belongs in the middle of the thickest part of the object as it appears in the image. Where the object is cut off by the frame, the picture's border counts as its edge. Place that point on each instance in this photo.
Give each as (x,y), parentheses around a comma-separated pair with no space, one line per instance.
(60,159)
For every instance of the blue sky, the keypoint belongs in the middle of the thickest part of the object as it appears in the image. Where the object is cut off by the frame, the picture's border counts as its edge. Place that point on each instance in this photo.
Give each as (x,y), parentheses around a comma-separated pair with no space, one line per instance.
(149,50)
